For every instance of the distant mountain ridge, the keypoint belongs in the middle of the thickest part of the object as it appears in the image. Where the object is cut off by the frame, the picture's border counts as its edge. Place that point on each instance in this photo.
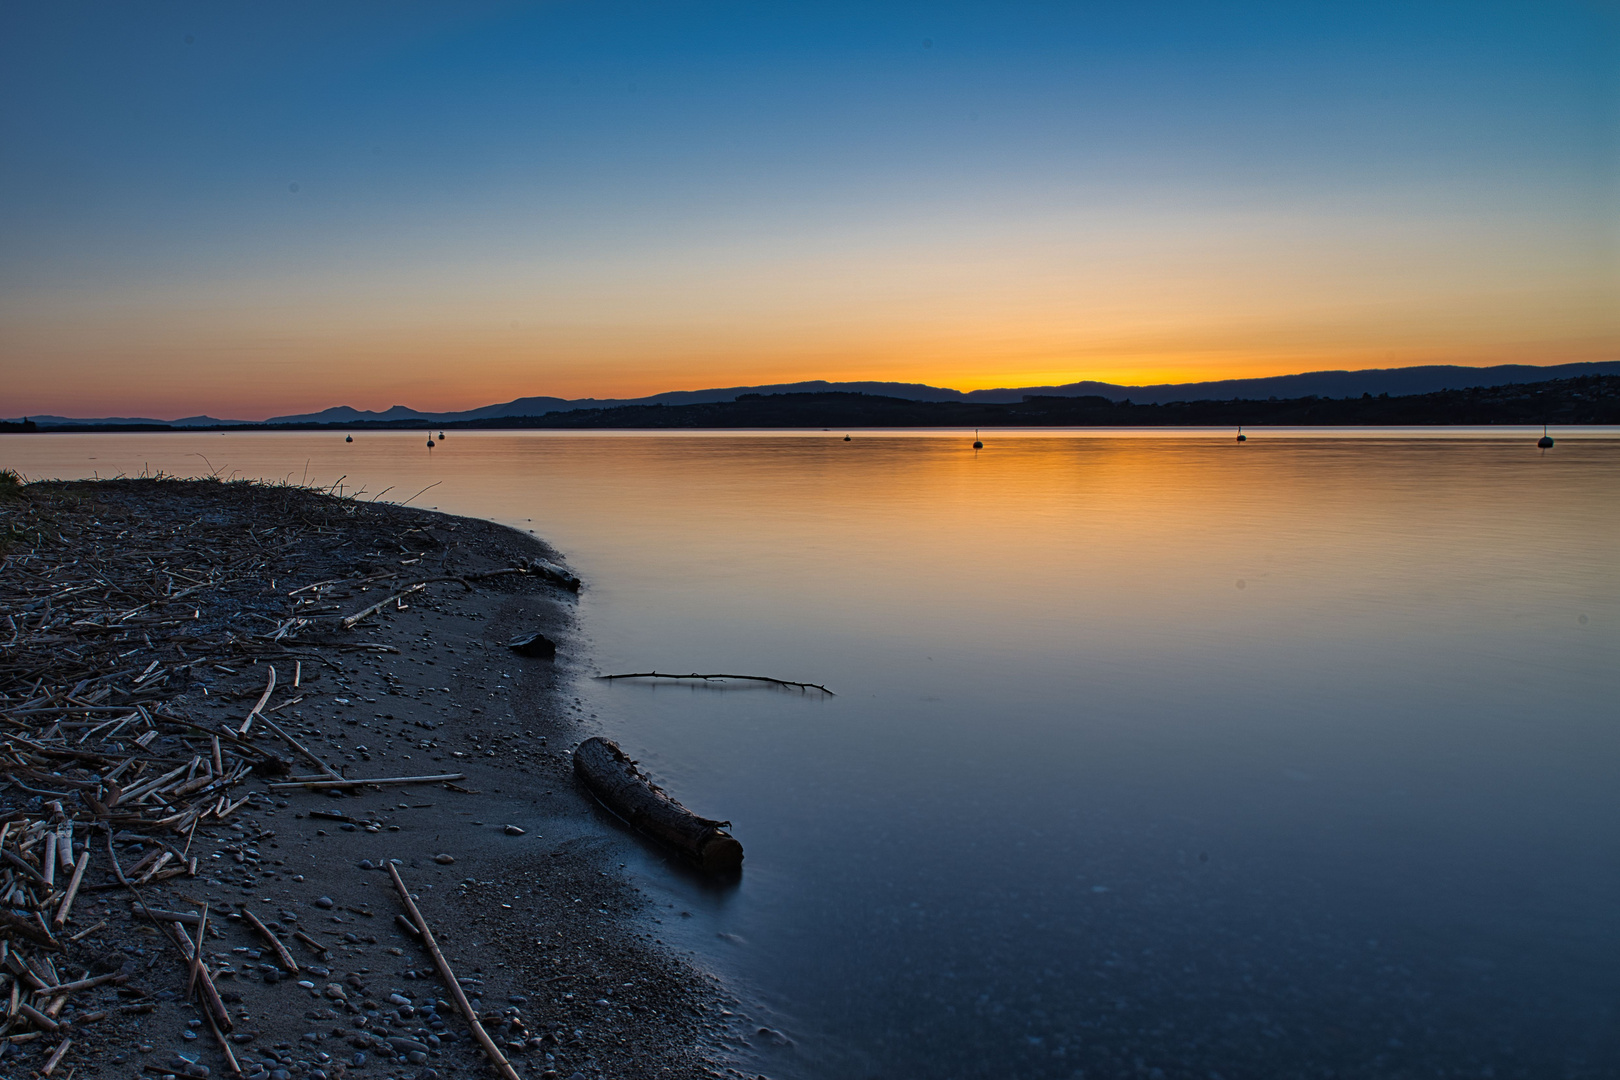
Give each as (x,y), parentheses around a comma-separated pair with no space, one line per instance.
(1396,382)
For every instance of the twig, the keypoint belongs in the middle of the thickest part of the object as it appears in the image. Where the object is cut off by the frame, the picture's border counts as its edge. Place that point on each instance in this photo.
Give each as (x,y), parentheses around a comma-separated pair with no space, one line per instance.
(379,781)
(86,932)
(311,942)
(496,1058)
(269,685)
(301,748)
(282,954)
(350,621)
(56,1057)
(435,484)
(706,678)
(72,889)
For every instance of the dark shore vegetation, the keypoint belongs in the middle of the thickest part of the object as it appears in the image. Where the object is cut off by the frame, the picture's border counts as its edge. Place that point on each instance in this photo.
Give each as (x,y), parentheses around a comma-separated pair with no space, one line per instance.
(185,890)
(1591,399)
(1588,400)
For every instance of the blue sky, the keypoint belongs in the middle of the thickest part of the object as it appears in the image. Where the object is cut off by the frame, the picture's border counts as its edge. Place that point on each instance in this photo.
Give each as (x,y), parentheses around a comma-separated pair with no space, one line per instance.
(252,209)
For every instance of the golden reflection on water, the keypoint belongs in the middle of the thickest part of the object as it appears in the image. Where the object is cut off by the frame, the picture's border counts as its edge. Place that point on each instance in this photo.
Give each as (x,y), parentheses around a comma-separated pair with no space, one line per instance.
(1369,676)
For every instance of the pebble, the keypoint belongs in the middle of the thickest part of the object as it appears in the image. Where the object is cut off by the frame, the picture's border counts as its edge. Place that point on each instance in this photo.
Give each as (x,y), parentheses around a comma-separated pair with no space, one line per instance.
(399,999)
(513,830)
(325,902)
(444,860)
(367,864)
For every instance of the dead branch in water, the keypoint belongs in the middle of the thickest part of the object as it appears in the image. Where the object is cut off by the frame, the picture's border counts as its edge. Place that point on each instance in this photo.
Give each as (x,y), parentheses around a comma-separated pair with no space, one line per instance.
(707,678)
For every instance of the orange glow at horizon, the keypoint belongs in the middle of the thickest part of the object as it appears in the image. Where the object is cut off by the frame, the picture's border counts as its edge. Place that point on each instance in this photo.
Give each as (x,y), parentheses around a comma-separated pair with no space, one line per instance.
(1152,299)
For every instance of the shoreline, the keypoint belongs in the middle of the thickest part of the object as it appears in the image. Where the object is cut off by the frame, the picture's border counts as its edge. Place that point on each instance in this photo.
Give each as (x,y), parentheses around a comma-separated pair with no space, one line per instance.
(510,865)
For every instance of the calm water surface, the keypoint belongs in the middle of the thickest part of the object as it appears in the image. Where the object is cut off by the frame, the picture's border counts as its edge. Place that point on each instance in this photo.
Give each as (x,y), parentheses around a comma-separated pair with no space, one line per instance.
(1152,755)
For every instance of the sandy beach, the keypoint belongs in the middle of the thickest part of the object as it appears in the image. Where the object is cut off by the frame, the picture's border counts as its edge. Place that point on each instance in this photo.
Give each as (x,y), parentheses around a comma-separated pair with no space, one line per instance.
(547,940)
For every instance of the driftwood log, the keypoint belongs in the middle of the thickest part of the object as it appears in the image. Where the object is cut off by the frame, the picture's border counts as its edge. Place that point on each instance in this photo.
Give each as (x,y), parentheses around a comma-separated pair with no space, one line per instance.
(614,779)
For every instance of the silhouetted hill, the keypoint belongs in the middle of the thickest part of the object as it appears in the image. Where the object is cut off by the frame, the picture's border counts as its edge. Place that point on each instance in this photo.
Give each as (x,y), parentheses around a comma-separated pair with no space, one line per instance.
(1588,400)
(1322,384)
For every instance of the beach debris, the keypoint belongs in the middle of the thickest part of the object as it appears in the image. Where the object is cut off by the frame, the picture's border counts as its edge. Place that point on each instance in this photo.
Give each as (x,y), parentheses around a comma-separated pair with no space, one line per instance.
(535,645)
(612,776)
(319,783)
(553,573)
(147,665)
(493,1052)
(694,676)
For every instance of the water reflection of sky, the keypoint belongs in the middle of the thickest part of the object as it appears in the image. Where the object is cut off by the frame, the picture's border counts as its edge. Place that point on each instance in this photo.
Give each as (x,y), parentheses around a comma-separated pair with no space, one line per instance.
(1148,754)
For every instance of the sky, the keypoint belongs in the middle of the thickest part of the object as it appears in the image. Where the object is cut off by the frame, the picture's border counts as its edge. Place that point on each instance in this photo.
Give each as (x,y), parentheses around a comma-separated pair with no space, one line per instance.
(249,209)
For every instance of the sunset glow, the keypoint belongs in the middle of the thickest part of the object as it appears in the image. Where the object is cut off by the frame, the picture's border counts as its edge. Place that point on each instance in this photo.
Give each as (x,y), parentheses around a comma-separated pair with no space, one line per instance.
(246,214)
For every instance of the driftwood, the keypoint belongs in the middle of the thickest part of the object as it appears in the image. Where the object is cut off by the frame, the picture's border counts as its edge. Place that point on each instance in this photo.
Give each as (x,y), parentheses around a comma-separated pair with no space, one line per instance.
(538,567)
(288,964)
(709,678)
(377,781)
(493,1052)
(614,779)
(553,573)
(269,688)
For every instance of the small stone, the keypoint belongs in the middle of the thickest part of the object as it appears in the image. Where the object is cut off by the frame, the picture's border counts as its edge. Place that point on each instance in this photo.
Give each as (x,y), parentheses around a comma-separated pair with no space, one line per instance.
(443,859)
(358,1060)
(513,830)
(335,992)
(306,984)
(367,864)
(325,902)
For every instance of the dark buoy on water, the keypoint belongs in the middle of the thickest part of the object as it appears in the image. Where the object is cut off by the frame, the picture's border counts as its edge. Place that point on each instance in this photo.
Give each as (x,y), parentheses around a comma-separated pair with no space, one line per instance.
(978,444)
(846,438)
(441,436)
(1242,437)
(1545,442)
(348,438)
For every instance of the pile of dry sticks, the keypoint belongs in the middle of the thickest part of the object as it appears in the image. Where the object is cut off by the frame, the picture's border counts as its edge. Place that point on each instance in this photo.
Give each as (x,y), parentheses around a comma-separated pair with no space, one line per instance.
(105,616)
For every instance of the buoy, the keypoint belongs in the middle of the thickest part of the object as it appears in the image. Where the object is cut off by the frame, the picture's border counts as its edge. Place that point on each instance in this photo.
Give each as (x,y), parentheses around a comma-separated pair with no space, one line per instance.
(977,444)
(1242,437)
(1545,442)
(348,438)
(441,436)
(430,442)
(846,438)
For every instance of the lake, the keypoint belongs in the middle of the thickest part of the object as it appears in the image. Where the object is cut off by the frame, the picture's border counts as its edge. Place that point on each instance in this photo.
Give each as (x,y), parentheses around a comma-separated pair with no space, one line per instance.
(1152,754)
